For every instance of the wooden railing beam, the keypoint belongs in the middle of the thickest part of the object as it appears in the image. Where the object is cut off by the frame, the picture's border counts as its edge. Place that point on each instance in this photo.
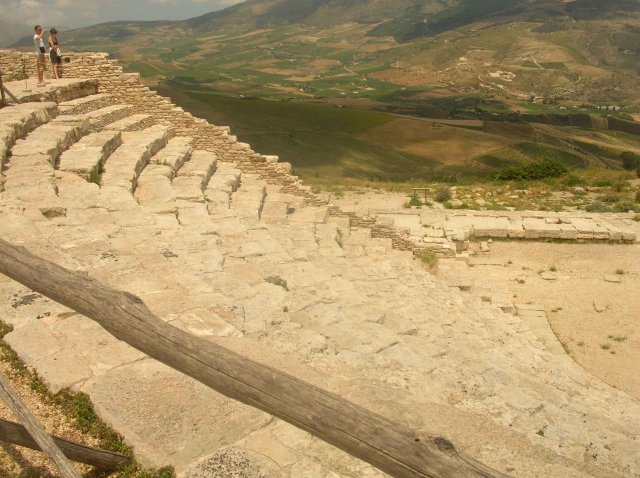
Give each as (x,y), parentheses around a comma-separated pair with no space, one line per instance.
(105,460)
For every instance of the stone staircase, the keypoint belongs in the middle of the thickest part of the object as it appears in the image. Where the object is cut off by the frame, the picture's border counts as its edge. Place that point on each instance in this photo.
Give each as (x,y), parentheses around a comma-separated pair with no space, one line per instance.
(250,264)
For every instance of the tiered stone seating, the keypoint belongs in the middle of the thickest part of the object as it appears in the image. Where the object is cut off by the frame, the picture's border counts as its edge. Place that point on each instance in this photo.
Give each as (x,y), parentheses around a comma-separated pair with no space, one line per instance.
(125,165)
(30,172)
(17,121)
(86,158)
(102,117)
(227,256)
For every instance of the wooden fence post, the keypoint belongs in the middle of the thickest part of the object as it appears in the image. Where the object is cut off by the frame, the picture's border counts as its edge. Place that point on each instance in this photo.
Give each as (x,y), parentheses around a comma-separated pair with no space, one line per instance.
(3,101)
(36,430)
(384,443)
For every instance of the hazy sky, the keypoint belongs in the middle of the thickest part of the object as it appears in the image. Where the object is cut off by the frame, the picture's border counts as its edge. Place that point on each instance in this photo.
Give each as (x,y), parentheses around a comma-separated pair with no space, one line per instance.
(78,13)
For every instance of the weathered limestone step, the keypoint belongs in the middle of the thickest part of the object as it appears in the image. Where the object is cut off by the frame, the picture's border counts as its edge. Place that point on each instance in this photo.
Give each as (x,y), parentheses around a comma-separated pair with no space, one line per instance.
(25,117)
(530,225)
(220,186)
(193,177)
(124,166)
(175,153)
(154,192)
(30,173)
(278,205)
(248,199)
(100,118)
(535,317)
(50,139)
(86,158)
(19,120)
(85,104)
(132,123)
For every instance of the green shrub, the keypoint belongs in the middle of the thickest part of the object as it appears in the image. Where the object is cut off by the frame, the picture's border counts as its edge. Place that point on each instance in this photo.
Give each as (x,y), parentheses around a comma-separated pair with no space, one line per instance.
(610,198)
(625,207)
(415,202)
(619,185)
(597,206)
(637,196)
(630,161)
(545,168)
(428,258)
(603,183)
(573,180)
(443,193)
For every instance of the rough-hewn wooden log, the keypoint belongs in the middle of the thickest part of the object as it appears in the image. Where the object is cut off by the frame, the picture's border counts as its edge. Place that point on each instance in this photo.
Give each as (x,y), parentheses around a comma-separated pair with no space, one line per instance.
(105,460)
(31,423)
(384,443)
(3,101)
(4,91)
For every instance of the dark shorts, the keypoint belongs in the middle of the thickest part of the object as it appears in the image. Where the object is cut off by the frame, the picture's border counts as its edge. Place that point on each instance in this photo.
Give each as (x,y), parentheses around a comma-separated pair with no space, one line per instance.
(55,59)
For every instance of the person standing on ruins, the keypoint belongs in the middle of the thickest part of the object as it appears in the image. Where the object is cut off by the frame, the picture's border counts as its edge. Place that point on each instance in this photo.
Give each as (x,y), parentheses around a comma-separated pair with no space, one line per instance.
(54,54)
(38,42)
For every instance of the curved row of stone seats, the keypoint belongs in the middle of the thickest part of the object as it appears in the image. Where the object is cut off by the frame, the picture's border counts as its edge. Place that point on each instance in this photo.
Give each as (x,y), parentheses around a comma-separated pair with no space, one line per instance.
(131,123)
(60,91)
(29,174)
(18,120)
(155,192)
(85,104)
(102,117)
(123,167)
(86,158)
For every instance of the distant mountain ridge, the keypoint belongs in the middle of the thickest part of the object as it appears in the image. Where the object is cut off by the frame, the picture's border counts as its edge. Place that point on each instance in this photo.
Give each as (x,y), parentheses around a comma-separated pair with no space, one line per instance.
(406,19)
(392,51)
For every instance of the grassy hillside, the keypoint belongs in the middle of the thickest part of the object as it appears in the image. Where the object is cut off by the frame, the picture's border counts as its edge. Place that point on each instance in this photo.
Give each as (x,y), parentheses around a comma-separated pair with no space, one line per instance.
(328,141)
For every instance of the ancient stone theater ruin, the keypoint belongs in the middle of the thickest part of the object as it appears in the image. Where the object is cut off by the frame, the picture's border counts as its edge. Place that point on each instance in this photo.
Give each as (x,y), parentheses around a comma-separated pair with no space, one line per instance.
(117,185)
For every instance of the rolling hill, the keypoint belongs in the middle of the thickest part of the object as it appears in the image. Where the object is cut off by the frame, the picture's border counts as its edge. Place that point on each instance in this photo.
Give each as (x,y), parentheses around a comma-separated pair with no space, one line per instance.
(514,50)
(532,61)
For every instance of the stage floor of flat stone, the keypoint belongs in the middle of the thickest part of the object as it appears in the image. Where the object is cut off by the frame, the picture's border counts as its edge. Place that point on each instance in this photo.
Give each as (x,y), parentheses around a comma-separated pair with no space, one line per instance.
(28,90)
